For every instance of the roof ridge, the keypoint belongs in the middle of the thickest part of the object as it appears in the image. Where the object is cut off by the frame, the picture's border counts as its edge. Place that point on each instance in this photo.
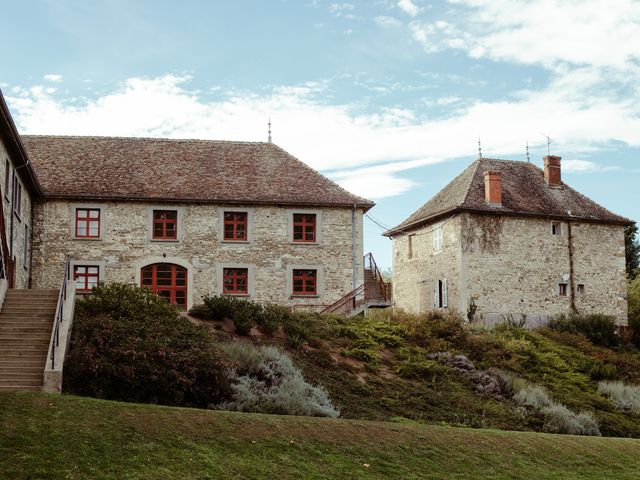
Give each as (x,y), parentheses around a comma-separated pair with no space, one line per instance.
(466,195)
(161,139)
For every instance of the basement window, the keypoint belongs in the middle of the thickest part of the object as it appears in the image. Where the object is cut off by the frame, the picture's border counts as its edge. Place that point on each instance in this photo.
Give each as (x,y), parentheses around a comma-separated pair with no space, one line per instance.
(563,289)
(86,277)
(580,289)
(556,228)
(235,281)
(305,282)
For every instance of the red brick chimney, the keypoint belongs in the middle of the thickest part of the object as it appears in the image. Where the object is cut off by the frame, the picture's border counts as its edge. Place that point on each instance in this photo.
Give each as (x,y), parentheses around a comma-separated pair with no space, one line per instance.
(493,188)
(552,171)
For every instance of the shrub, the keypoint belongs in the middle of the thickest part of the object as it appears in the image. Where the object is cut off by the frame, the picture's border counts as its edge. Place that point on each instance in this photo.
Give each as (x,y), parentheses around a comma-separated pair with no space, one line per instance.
(599,329)
(266,381)
(559,419)
(532,396)
(634,311)
(131,345)
(603,371)
(200,311)
(243,316)
(220,306)
(271,317)
(624,397)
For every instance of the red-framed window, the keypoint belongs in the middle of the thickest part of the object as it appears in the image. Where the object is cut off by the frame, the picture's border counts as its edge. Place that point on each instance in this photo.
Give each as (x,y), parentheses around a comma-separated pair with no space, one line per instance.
(235,281)
(87,222)
(168,281)
(235,225)
(86,277)
(304,227)
(165,224)
(305,282)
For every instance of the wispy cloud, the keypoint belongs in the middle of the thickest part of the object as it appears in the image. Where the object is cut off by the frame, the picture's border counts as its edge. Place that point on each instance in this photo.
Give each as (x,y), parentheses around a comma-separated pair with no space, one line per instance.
(408,7)
(53,77)
(368,152)
(387,22)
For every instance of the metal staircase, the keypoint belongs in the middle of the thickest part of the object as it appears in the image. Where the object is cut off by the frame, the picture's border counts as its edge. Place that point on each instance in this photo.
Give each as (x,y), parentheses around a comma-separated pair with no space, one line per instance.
(373,293)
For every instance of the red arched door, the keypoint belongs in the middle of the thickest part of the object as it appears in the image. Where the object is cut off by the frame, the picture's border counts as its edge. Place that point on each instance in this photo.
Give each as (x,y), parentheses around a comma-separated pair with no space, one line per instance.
(167,280)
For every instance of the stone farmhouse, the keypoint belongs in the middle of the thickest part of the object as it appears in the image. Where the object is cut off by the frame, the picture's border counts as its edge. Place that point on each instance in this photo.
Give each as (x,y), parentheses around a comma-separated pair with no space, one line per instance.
(507,241)
(184,218)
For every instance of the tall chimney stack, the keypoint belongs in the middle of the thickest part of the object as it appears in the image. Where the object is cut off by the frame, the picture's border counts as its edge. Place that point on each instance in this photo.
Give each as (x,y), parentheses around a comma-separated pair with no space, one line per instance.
(493,188)
(552,171)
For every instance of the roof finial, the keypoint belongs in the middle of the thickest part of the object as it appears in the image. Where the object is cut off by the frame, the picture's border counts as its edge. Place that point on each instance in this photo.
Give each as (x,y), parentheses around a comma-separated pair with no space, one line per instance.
(549,142)
(479,148)
(269,129)
(528,158)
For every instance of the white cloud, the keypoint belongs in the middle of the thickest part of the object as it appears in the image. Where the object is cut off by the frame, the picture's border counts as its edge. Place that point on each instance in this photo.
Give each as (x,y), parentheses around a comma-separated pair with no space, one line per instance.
(408,7)
(586,166)
(367,152)
(53,77)
(387,22)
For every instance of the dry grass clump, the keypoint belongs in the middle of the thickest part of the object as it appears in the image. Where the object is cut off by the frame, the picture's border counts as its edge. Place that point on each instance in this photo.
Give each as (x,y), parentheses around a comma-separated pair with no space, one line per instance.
(625,397)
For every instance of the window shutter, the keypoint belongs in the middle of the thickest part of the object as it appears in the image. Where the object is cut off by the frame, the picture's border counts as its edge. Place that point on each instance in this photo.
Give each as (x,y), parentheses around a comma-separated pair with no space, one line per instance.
(436,296)
(444,294)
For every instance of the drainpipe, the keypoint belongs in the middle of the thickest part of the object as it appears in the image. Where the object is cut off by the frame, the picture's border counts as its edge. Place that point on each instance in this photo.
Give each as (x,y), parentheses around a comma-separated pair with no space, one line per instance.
(572,281)
(353,247)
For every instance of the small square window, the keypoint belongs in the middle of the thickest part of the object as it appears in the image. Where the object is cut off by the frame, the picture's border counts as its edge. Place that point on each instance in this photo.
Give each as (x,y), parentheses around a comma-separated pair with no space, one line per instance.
(235,226)
(87,223)
(165,224)
(86,277)
(304,227)
(235,281)
(305,282)
(556,228)
(580,289)
(564,288)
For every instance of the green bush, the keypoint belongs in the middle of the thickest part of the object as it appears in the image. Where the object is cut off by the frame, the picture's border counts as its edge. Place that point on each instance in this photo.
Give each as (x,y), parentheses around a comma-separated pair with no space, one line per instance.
(200,311)
(634,311)
(599,329)
(271,317)
(266,381)
(220,306)
(243,317)
(128,344)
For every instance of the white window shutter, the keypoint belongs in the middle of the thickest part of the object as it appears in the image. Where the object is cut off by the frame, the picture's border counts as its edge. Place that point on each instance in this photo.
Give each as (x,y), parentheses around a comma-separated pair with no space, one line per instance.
(436,295)
(444,294)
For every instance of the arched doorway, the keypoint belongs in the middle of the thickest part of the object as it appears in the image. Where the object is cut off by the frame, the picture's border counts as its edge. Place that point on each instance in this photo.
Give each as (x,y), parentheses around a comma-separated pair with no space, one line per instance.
(166,280)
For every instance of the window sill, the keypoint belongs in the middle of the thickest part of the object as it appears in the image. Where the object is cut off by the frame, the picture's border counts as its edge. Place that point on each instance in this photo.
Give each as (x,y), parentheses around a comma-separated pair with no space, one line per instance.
(242,295)
(236,242)
(302,295)
(292,242)
(164,240)
(91,239)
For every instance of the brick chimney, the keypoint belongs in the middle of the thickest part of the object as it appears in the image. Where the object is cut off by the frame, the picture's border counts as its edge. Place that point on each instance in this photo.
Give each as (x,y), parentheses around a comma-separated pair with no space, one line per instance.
(552,171)
(493,188)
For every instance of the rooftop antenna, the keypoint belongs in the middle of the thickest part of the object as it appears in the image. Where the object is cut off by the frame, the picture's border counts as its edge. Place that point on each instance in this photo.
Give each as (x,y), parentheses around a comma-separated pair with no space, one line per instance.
(549,142)
(528,158)
(479,148)
(269,129)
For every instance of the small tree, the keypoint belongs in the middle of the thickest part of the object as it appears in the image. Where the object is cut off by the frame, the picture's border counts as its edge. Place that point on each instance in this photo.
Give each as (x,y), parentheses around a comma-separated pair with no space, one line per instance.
(632,251)
(634,310)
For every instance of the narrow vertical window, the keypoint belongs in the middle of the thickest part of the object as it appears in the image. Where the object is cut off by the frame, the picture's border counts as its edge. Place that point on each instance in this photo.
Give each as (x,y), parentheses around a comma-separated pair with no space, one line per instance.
(86,277)
(305,282)
(7,172)
(235,281)
(17,195)
(27,246)
(410,246)
(556,228)
(235,226)
(165,224)
(580,290)
(437,239)
(563,289)
(304,227)
(440,294)
(87,223)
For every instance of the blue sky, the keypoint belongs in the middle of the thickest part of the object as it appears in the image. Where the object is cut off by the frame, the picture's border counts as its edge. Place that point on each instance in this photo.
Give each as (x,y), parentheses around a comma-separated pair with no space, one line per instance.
(386,97)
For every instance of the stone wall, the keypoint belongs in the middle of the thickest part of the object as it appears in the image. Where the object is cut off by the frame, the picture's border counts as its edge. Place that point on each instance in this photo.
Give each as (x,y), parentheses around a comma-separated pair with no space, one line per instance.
(125,247)
(417,266)
(21,222)
(512,268)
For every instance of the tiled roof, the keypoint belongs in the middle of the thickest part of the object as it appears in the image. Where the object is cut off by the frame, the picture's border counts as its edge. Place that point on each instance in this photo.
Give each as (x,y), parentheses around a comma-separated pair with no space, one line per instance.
(524,193)
(179,170)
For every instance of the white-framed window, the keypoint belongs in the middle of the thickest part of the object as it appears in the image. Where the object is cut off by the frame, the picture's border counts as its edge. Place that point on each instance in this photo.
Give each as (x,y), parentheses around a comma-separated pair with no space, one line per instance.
(438,239)
(410,246)
(440,294)
(556,228)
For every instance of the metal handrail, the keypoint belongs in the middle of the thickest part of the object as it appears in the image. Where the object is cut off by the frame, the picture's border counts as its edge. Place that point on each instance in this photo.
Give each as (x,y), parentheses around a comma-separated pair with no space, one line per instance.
(348,302)
(383,287)
(62,298)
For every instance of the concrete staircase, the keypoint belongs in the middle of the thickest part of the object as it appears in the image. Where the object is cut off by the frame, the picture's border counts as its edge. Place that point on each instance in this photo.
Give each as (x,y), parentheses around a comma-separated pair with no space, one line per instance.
(26,320)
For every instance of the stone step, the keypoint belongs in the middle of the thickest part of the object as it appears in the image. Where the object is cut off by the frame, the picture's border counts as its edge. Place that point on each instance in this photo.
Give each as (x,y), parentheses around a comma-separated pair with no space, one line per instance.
(21,388)
(26,362)
(26,318)
(24,351)
(28,307)
(9,379)
(25,371)
(27,327)
(31,345)
(51,305)
(32,291)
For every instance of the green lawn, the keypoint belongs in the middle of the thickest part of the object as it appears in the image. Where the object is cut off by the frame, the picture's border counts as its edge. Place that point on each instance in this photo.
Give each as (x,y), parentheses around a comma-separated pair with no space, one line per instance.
(66,437)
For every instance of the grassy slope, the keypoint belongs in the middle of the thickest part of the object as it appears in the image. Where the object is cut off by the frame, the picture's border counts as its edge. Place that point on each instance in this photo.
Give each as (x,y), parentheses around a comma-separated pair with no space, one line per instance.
(50,437)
